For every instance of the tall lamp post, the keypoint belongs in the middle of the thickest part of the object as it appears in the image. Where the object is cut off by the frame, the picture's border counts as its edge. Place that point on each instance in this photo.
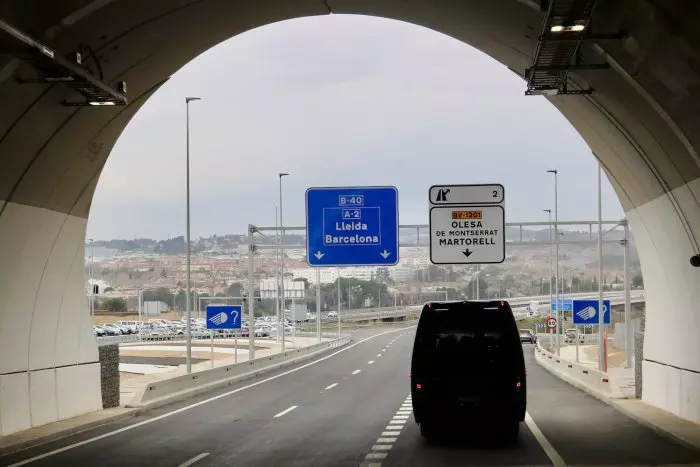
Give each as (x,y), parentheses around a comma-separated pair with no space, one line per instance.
(549,257)
(188,309)
(282,317)
(556,251)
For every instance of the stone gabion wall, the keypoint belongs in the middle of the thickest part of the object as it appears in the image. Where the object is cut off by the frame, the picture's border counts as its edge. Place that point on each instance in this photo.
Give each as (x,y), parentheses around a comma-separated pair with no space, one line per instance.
(109,363)
(638,359)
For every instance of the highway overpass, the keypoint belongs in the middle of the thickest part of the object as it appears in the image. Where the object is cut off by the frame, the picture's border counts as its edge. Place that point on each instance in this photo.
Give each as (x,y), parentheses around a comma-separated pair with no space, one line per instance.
(518,305)
(636,107)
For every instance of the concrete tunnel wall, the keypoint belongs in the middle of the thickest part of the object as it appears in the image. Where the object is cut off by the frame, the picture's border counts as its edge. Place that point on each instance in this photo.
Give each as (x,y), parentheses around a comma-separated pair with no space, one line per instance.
(642,122)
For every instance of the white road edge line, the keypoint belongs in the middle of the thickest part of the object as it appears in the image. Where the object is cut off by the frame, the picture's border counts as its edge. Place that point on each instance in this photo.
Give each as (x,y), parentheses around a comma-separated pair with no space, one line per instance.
(192,406)
(356,372)
(194,460)
(286,411)
(547,447)
(330,386)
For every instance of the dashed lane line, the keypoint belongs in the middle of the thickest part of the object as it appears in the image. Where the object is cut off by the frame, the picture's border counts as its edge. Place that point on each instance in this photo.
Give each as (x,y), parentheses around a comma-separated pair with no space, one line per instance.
(370,362)
(356,372)
(286,411)
(330,386)
(194,460)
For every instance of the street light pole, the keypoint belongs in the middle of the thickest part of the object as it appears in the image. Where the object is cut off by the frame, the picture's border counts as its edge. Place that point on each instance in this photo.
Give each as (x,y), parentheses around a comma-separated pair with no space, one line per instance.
(281,175)
(556,253)
(549,257)
(188,312)
(601,311)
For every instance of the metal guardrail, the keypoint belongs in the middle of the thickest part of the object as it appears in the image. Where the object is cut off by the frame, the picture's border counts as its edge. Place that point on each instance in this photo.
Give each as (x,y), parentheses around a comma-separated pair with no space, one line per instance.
(186,385)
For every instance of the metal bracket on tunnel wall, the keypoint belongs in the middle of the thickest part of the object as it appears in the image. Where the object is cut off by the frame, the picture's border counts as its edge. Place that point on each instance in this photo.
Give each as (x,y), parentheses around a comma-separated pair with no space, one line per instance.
(109,375)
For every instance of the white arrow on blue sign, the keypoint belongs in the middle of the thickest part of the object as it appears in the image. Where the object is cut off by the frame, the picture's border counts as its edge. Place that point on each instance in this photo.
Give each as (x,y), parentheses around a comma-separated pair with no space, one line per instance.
(352,226)
(586,312)
(224,316)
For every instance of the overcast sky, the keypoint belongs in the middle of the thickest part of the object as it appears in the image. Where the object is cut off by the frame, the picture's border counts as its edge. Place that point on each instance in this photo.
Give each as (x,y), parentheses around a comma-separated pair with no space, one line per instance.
(338,101)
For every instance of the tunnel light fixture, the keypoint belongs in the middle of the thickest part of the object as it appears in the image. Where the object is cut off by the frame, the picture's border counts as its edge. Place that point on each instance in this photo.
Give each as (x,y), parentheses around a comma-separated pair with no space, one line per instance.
(55,68)
(570,28)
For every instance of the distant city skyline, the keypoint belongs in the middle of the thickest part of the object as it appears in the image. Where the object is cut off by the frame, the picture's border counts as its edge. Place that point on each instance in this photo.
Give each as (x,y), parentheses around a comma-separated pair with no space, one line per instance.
(388,103)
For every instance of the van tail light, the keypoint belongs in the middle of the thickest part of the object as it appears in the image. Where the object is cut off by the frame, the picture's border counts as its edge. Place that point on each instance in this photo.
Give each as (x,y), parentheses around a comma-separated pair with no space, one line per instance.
(525,372)
(409,376)
(518,384)
(419,386)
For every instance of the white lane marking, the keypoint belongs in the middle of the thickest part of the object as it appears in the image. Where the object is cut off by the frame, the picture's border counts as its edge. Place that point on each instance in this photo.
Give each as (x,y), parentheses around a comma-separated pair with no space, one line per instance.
(192,406)
(384,350)
(286,411)
(371,464)
(547,447)
(400,417)
(194,459)
(375,455)
(331,386)
(379,355)
(381,447)
(387,440)
(356,372)
(391,433)
(370,362)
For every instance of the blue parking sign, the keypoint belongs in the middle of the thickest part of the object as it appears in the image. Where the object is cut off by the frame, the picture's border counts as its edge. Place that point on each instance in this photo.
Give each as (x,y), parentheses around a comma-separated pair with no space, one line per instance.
(586,312)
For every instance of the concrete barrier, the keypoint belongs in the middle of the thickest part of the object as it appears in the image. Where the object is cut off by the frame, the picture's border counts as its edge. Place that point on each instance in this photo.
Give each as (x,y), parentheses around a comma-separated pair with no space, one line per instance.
(181,387)
(583,377)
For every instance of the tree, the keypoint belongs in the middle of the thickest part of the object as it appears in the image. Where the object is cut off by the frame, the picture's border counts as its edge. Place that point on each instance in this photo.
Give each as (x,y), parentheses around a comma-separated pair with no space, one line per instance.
(161,294)
(235,290)
(114,305)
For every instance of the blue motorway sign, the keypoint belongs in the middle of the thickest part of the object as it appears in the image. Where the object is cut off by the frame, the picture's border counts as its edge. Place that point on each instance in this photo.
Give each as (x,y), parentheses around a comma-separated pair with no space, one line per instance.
(224,316)
(352,226)
(586,312)
(566,304)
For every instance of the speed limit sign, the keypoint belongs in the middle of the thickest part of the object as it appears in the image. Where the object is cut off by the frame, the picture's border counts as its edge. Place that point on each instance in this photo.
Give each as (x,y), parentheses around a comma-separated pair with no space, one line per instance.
(551,323)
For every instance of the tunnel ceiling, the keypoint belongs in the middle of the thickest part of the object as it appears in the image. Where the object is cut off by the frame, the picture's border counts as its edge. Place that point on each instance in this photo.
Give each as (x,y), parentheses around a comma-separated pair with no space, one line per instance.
(641,119)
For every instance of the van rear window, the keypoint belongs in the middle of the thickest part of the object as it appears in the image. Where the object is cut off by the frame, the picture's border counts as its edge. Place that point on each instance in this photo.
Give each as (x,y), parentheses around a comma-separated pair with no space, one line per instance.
(464,329)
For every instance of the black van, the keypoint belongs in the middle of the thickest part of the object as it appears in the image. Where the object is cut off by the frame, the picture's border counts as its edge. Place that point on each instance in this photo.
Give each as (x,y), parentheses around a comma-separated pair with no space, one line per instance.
(468,365)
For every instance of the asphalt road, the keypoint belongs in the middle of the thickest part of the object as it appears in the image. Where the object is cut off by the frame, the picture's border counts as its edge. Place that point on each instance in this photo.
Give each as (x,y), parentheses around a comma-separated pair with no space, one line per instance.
(352,408)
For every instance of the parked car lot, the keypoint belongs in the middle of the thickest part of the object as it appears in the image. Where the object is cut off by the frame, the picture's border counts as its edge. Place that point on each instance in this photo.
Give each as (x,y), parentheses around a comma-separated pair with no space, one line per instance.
(158,329)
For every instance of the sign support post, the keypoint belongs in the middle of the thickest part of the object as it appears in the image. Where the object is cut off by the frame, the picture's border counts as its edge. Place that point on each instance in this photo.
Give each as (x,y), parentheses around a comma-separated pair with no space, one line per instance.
(211,336)
(628,305)
(251,294)
(601,346)
(318,304)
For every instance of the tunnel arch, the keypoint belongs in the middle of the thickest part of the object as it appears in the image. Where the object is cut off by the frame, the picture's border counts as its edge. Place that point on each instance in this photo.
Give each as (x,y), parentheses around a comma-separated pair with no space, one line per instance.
(642,122)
